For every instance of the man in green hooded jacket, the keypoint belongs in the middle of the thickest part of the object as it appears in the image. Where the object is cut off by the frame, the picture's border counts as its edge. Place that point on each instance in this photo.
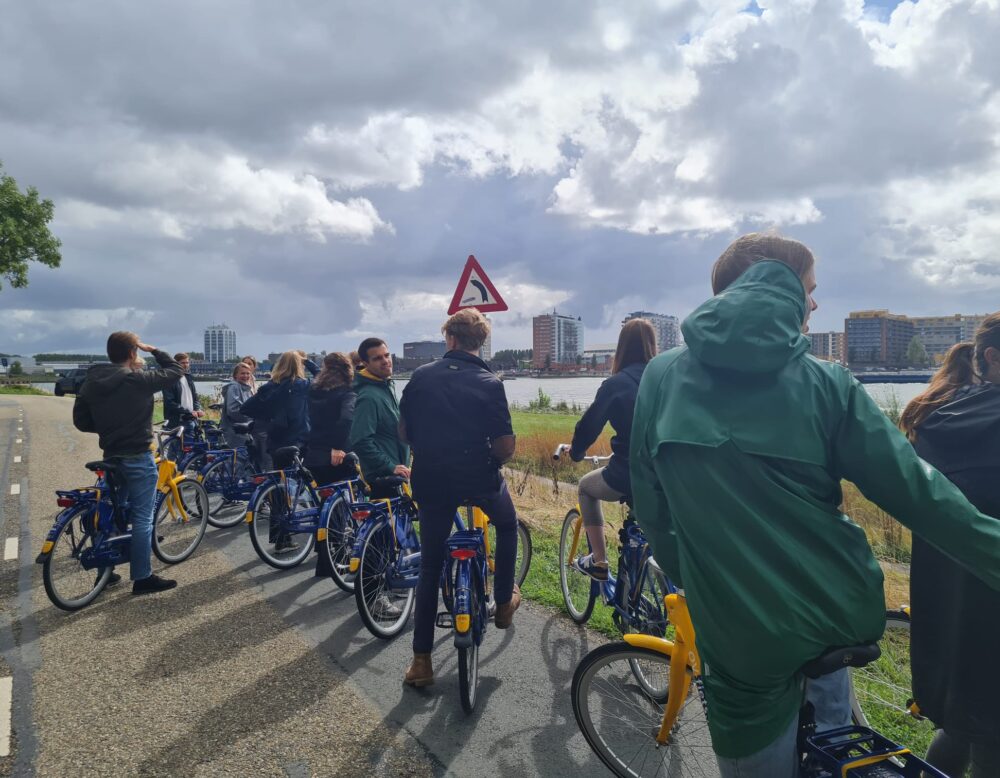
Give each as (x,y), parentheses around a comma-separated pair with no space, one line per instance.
(739,444)
(375,428)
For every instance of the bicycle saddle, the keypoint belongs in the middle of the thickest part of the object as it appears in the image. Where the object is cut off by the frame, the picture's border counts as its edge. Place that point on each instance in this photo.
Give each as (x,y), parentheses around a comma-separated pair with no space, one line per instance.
(100,464)
(387,482)
(243,428)
(286,453)
(839,658)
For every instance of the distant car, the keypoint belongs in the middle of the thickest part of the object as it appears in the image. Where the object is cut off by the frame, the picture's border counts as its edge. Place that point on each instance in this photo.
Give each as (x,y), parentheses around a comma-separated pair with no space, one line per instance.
(70,382)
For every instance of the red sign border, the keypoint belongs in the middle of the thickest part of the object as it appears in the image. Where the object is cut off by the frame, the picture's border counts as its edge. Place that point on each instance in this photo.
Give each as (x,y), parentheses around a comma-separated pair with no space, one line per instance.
(456,302)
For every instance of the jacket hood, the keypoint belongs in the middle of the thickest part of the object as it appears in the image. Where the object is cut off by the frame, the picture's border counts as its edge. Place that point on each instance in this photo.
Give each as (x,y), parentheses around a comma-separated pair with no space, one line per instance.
(754,326)
(363,376)
(970,424)
(105,376)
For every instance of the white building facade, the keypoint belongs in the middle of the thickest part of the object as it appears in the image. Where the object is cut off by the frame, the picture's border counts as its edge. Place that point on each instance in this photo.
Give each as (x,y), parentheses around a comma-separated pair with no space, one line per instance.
(220,343)
(668,328)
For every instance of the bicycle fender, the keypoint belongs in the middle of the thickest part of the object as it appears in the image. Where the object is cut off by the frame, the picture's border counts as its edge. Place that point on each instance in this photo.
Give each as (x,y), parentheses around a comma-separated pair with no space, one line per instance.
(61,521)
(363,532)
(653,643)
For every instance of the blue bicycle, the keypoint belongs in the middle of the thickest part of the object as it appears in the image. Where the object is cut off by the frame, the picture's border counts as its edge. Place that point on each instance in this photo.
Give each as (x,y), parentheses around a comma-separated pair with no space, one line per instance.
(635,594)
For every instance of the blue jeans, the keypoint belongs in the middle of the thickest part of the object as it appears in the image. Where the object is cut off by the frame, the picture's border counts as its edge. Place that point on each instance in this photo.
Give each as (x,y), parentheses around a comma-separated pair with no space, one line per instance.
(139,490)
(831,698)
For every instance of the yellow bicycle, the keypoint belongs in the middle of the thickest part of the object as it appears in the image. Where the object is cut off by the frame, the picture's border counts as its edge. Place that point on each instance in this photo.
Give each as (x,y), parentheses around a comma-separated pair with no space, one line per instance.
(181,509)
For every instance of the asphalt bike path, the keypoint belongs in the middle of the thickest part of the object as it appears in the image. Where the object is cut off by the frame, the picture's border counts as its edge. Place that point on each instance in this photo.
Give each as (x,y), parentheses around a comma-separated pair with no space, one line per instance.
(244,670)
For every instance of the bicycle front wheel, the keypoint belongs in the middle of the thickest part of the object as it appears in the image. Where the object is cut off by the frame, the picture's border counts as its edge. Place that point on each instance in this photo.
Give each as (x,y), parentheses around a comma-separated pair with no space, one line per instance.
(882,690)
(67,584)
(383,610)
(579,590)
(524,550)
(219,477)
(620,720)
(179,525)
(340,535)
(269,533)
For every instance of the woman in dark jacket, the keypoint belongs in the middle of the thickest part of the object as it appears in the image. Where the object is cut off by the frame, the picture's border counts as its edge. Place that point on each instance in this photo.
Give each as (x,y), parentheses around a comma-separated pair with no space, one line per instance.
(281,405)
(614,403)
(955,634)
(331,411)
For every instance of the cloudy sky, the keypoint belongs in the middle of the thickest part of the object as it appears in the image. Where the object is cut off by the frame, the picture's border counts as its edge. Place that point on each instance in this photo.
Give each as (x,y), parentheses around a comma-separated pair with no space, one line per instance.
(313,172)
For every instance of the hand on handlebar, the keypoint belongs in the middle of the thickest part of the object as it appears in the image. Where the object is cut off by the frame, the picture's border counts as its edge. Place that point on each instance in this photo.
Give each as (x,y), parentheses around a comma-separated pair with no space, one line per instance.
(561,449)
(402,470)
(337,457)
(199,414)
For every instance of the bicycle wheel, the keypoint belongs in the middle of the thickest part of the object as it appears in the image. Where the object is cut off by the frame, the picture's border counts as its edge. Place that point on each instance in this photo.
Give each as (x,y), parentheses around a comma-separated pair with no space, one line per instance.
(176,534)
(67,584)
(194,465)
(468,656)
(339,543)
(383,610)
(881,691)
(579,591)
(217,478)
(648,616)
(524,550)
(268,534)
(620,719)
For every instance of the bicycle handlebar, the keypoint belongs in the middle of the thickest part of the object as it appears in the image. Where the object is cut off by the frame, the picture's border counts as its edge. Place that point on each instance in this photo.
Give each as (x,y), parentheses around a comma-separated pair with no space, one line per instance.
(565,447)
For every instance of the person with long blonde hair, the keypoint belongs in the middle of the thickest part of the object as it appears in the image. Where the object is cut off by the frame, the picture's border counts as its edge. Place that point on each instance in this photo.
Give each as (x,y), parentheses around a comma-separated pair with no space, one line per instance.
(280,405)
(955,636)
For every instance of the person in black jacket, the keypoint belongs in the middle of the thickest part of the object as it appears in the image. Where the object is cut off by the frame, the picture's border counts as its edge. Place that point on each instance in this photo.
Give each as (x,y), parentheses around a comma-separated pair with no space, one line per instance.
(331,411)
(615,403)
(955,634)
(281,405)
(181,397)
(116,402)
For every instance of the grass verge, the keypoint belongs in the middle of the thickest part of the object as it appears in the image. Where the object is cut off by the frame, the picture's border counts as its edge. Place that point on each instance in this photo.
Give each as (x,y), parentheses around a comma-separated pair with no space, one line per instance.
(22,389)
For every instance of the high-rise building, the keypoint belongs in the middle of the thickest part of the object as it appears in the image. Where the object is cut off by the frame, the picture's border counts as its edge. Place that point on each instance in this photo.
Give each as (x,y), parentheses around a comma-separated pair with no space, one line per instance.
(877,339)
(827,345)
(557,339)
(668,328)
(940,333)
(486,350)
(424,349)
(220,343)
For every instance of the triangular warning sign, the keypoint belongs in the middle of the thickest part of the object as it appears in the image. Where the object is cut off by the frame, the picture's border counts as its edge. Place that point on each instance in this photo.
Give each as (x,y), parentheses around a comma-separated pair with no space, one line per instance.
(475,290)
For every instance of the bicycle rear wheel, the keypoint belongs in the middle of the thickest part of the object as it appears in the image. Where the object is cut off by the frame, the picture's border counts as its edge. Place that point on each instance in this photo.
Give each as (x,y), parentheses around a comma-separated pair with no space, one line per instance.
(67,584)
(383,610)
(340,535)
(268,526)
(219,477)
(620,719)
(177,533)
(579,590)
(468,656)
(882,690)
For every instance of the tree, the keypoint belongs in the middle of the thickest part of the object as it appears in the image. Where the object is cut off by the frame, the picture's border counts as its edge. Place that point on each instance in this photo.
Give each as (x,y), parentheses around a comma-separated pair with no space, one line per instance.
(24,232)
(16,369)
(916,354)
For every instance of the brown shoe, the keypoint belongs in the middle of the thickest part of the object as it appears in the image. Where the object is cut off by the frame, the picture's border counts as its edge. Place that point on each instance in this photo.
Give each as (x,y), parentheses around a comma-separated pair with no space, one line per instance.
(505,611)
(421,673)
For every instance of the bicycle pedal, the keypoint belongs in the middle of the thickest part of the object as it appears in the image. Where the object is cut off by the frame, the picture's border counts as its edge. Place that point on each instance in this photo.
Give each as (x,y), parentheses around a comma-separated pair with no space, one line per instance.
(444,620)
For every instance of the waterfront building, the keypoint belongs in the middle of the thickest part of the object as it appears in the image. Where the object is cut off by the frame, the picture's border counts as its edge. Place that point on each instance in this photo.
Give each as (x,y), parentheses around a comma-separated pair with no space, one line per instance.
(486,350)
(557,340)
(220,344)
(877,339)
(827,345)
(599,357)
(426,350)
(668,328)
(940,333)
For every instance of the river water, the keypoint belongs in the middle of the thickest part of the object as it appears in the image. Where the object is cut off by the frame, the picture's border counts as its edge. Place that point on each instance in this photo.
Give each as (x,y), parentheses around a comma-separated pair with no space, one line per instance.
(521,391)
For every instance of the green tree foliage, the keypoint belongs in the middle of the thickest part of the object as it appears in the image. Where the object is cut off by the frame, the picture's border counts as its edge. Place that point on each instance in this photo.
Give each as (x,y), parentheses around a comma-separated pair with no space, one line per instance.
(510,358)
(71,357)
(916,354)
(15,368)
(24,232)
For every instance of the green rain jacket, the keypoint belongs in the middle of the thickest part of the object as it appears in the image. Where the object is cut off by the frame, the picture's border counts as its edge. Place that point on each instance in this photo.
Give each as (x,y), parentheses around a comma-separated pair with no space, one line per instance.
(375,429)
(739,443)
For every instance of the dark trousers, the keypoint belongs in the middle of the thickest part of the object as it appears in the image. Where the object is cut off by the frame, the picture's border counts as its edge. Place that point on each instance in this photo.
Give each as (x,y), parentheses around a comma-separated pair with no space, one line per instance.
(436,521)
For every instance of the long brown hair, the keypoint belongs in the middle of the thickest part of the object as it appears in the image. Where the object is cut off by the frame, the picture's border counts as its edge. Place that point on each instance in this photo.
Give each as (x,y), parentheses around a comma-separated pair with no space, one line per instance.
(963,364)
(636,343)
(337,371)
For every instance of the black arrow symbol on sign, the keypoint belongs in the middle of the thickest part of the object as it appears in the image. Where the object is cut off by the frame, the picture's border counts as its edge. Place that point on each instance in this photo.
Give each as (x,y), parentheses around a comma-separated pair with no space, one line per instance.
(482,290)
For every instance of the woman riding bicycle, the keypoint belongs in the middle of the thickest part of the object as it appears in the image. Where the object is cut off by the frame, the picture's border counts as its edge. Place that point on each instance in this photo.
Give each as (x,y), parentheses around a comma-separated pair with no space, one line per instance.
(614,403)
(955,636)
(739,443)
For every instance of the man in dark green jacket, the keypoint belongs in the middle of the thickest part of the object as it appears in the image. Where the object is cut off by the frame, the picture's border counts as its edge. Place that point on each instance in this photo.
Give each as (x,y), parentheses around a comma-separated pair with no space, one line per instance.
(375,429)
(739,443)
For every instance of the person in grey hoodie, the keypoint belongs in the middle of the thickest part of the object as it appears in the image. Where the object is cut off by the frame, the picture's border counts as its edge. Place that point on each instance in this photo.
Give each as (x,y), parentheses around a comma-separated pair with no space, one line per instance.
(116,402)
(234,394)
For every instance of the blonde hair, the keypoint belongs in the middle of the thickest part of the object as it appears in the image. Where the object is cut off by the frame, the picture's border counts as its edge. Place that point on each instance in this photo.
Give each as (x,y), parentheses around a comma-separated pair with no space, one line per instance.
(337,371)
(469,327)
(241,366)
(754,247)
(289,365)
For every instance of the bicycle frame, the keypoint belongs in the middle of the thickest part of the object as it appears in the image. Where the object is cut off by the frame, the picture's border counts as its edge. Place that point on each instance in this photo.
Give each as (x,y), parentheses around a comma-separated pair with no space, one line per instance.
(167,480)
(466,565)
(291,521)
(398,514)
(110,536)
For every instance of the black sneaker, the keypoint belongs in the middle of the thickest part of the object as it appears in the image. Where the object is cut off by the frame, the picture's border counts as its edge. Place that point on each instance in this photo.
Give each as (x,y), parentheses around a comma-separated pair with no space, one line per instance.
(152,584)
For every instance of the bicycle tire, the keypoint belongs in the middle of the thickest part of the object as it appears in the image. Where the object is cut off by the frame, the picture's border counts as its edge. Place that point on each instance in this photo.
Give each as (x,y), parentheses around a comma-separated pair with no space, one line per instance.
(261,536)
(579,590)
(525,550)
(378,553)
(339,544)
(61,567)
(468,656)
(619,720)
(218,476)
(881,692)
(175,538)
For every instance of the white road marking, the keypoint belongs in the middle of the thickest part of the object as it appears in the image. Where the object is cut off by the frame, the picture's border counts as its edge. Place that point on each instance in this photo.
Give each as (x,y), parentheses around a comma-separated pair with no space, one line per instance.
(15,488)
(6,697)
(10,549)
(17,459)
(18,440)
